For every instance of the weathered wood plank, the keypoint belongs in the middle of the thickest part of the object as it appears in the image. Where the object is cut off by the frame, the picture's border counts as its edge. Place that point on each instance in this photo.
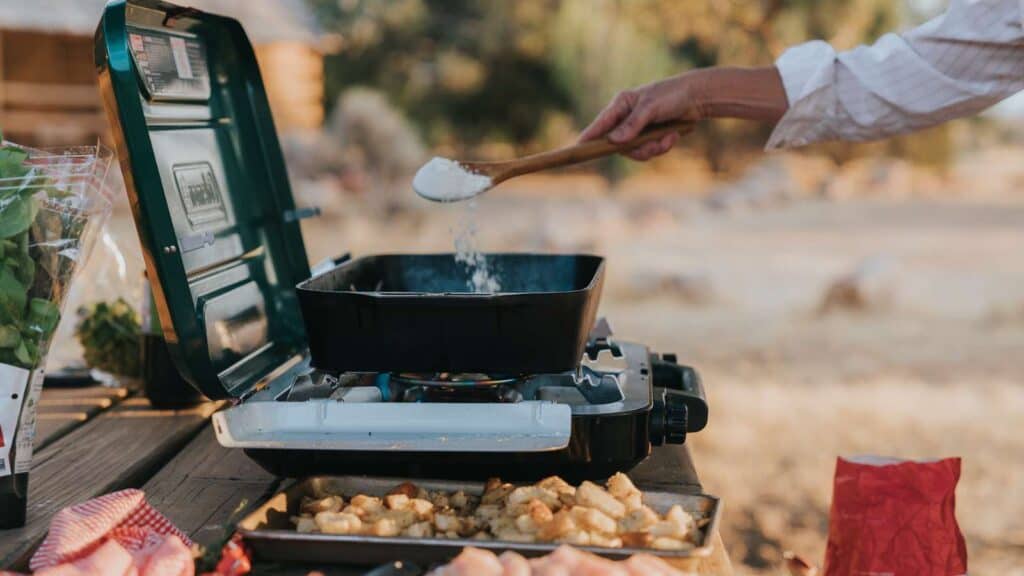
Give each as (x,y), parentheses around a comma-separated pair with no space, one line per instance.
(669,467)
(120,448)
(207,488)
(61,410)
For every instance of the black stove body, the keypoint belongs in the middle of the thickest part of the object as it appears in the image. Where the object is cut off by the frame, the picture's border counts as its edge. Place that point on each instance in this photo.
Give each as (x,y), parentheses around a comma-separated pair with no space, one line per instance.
(624,400)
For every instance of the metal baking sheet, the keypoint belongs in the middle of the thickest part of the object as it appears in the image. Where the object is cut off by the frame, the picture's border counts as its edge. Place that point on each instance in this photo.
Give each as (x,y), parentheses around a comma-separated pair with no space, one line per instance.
(272,536)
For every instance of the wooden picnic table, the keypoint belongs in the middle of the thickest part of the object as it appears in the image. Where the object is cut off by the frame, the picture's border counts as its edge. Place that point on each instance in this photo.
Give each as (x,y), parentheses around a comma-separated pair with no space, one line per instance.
(91,441)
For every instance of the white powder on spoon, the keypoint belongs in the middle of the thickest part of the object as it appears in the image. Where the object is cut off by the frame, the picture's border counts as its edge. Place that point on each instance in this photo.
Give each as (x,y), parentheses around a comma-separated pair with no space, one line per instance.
(444,180)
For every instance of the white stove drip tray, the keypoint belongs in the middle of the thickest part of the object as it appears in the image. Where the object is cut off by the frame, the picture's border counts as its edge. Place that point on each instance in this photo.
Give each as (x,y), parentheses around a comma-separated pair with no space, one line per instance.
(530,426)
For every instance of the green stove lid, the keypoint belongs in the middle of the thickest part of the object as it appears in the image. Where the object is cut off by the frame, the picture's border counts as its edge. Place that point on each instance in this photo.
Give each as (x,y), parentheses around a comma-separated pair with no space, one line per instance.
(208,189)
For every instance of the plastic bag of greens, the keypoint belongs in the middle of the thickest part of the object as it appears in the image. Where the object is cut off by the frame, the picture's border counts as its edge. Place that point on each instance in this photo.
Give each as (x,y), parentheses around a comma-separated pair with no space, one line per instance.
(52,202)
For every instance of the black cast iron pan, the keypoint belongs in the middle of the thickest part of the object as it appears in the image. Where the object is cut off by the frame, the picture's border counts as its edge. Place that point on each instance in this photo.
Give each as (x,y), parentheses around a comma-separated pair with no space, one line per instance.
(416,313)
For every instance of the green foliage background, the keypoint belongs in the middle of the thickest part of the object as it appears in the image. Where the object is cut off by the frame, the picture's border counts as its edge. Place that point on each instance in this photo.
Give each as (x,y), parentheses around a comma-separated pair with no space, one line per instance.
(531,72)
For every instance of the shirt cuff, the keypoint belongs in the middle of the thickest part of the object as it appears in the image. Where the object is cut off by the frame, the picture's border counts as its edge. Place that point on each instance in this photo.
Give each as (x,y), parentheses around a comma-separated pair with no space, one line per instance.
(800,68)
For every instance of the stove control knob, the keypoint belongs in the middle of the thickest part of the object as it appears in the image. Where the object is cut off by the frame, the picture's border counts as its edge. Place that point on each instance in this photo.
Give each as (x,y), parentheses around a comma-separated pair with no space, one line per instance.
(669,418)
(675,418)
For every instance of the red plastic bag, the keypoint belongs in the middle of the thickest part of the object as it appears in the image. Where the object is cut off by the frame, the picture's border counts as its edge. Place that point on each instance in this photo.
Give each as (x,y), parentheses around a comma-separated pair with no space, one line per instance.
(896,518)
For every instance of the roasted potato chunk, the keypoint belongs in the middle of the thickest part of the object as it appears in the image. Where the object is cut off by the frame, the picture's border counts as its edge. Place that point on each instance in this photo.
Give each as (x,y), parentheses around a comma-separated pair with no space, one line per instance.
(638,520)
(305,524)
(593,496)
(396,501)
(419,530)
(519,497)
(593,519)
(621,486)
(664,543)
(383,527)
(330,503)
(446,522)
(676,524)
(459,500)
(338,523)
(497,495)
(408,488)
(560,525)
(636,539)
(423,508)
(369,504)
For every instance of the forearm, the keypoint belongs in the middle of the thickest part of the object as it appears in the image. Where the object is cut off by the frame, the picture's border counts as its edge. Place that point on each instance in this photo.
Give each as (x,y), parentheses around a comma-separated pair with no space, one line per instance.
(744,93)
(953,66)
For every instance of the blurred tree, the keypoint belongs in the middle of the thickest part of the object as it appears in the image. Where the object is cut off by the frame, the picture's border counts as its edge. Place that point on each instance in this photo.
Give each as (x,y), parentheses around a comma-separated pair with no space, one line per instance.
(597,49)
(465,71)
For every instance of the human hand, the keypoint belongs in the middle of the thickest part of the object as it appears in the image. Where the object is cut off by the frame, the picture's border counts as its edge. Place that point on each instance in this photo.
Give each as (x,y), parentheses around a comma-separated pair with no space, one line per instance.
(631,111)
(748,93)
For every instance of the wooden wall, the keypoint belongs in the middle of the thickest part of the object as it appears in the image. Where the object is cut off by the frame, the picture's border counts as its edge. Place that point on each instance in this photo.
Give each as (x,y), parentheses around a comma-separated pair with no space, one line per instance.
(48,92)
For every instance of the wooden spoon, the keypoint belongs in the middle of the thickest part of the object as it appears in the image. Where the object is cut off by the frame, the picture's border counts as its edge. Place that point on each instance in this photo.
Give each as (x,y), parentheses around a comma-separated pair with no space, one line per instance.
(472,185)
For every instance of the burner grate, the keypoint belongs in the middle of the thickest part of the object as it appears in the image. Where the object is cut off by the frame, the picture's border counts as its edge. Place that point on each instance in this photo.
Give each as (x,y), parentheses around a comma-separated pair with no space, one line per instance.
(452,380)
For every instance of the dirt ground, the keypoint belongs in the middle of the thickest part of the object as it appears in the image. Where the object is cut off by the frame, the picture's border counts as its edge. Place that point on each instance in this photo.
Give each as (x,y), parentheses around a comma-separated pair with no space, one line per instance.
(929,366)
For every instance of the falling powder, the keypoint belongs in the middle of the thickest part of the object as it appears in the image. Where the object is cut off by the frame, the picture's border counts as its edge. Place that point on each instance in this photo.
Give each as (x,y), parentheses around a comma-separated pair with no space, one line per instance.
(445,180)
(481,278)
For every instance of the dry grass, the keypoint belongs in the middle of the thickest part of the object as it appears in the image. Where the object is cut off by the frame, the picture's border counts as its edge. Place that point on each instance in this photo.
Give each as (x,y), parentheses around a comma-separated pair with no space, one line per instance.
(772,445)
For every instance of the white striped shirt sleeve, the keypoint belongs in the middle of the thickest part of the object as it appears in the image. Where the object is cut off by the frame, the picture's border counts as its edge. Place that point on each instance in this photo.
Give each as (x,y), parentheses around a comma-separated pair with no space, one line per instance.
(955,65)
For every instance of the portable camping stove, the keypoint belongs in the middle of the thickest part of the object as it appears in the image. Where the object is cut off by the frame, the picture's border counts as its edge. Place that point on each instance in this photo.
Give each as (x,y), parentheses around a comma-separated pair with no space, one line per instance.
(600,418)
(419,377)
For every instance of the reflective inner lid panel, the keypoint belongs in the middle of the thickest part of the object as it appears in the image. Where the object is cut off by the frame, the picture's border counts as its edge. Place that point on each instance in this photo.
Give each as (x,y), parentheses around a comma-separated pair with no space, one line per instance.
(208,189)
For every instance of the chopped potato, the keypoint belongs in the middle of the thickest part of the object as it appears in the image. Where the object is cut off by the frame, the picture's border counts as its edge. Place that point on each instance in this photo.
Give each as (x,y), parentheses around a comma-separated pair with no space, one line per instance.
(593,496)
(497,495)
(636,539)
(487,511)
(446,522)
(519,497)
(551,510)
(330,503)
(305,524)
(593,519)
(409,489)
(402,518)
(675,525)
(539,512)
(665,543)
(514,536)
(396,501)
(598,539)
(525,524)
(338,523)
(419,530)
(370,504)
(638,520)
(621,486)
(459,500)
(566,492)
(439,500)
(576,537)
(560,525)
(383,527)
(633,501)
(423,508)
(680,516)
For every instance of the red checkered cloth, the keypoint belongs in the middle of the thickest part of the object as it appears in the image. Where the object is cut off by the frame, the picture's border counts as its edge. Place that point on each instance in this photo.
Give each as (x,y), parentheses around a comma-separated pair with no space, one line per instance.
(115,534)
